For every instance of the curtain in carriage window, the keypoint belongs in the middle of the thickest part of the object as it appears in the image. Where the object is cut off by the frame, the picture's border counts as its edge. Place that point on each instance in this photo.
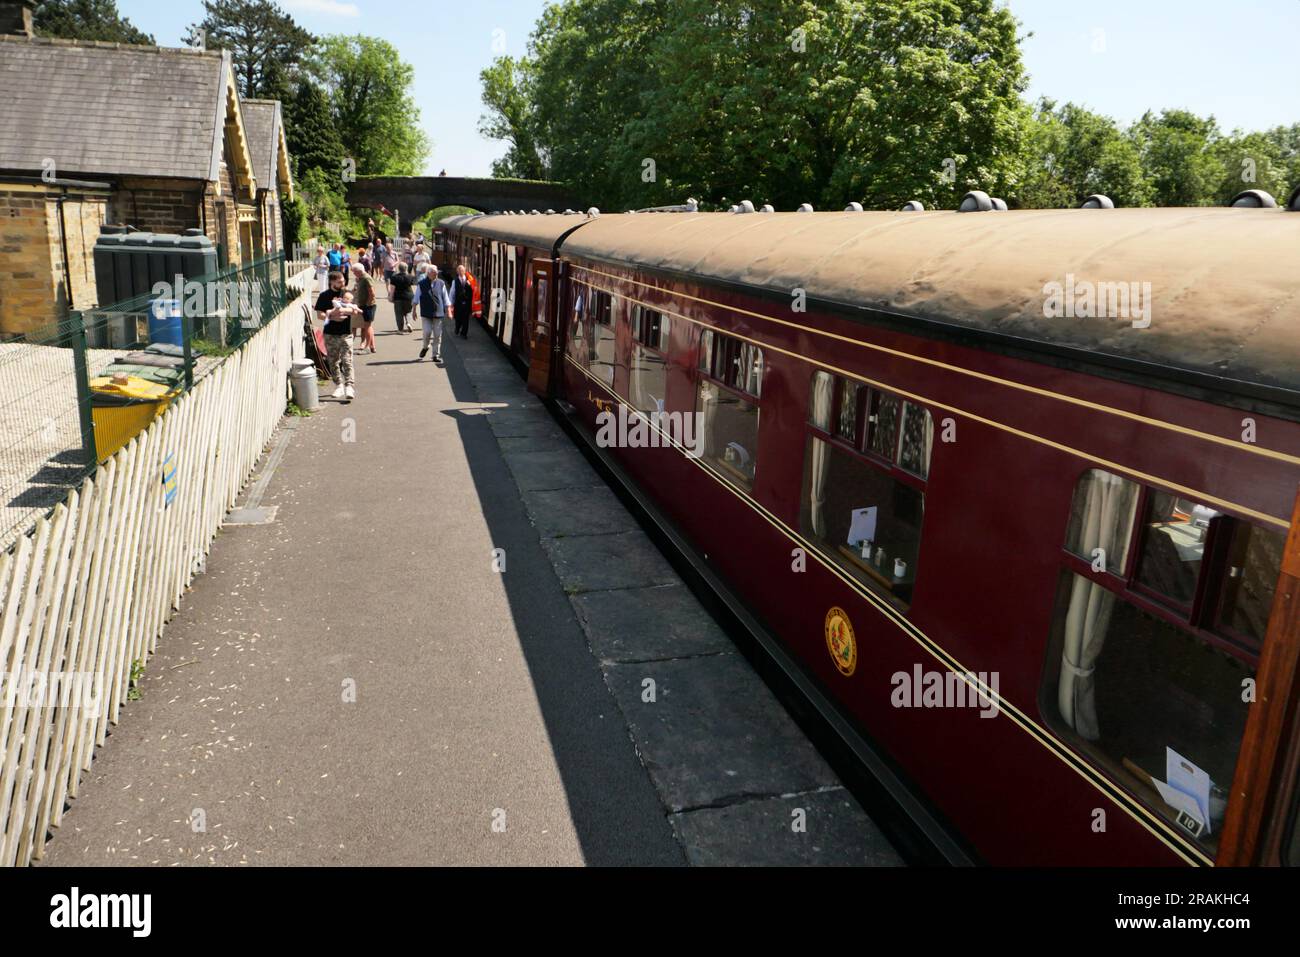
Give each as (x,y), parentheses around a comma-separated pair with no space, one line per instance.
(820,415)
(1101,526)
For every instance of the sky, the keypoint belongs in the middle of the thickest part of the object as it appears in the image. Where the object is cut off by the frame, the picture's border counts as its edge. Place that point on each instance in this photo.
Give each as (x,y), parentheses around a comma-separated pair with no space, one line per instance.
(1234,60)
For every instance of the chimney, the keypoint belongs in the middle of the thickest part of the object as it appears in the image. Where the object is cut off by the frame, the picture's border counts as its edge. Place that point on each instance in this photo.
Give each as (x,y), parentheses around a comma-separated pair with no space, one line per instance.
(16,17)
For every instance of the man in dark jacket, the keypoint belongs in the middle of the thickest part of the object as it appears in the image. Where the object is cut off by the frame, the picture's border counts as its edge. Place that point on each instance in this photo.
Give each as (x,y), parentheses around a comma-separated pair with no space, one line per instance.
(434,304)
(462,301)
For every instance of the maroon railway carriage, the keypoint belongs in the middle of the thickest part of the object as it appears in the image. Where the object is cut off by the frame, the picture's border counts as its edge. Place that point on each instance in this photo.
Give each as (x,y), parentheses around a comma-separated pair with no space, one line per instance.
(444,240)
(514,257)
(1028,555)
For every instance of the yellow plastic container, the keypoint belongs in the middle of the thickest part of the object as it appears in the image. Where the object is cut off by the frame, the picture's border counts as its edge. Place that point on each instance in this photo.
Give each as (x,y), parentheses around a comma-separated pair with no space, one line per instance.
(122,410)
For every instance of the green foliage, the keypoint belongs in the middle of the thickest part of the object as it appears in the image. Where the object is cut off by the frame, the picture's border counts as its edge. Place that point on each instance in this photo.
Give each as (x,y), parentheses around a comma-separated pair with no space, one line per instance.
(436,216)
(508,93)
(265,43)
(781,101)
(293,215)
(371,103)
(209,347)
(312,137)
(645,102)
(86,20)
(1073,153)
(137,672)
(1179,153)
(328,217)
(1269,161)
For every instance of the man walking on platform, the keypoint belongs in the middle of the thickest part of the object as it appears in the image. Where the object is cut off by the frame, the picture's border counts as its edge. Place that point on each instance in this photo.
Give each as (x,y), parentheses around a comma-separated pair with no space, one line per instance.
(434,303)
(462,301)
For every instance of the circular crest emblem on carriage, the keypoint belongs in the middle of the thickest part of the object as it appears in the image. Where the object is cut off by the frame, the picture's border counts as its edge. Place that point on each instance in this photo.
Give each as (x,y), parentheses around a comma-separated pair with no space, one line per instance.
(840,641)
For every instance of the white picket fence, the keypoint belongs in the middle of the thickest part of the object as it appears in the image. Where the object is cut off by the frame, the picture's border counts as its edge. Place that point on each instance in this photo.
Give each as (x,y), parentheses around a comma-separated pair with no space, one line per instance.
(88,593)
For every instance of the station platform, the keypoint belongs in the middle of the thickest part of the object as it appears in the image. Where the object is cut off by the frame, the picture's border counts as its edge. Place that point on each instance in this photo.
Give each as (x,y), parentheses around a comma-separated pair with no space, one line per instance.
(442,640)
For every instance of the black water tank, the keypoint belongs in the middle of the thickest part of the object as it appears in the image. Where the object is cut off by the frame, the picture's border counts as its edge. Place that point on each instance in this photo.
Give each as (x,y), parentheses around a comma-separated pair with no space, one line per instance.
(128,263)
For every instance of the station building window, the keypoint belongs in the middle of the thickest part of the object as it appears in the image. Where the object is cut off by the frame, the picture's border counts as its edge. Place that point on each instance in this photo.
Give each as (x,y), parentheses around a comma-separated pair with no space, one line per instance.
(649,367)
(727,398)
(866,461)
(1162,610)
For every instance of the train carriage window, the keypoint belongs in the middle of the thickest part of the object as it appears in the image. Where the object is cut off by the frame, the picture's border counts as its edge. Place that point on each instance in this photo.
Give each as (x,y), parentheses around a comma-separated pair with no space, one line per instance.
(733,362)
(1174,539)
(1154,644)
(865,512)
(1101,520)
(848,400)
(579,346)
(917,440)
(727,403)
(649,370)
(603,357)
(885,412)
(1253,559)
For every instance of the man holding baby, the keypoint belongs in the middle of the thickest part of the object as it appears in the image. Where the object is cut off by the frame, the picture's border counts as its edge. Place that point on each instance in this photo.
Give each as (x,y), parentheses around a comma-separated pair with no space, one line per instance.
(335,308)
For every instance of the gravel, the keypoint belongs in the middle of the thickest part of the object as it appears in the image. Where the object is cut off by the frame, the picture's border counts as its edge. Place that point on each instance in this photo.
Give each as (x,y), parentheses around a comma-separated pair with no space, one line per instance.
(40,429)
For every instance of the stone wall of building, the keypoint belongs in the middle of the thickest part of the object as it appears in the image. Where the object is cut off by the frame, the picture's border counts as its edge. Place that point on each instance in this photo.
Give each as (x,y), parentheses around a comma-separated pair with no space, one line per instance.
(30,296)
(158,205)
(33,296)
(82,217)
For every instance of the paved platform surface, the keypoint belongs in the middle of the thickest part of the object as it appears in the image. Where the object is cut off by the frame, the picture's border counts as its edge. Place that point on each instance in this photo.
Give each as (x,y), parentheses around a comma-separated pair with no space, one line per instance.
(358,682)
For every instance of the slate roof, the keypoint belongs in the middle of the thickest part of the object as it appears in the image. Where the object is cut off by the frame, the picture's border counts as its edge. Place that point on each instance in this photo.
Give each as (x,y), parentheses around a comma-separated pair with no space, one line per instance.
(111,109)
(262,125)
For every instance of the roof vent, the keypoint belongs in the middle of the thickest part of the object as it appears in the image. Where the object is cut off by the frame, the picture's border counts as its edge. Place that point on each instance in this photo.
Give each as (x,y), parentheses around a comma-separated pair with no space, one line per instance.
(999,205)
(1254,199)
(976,201)
(913,206)
(1098,201)
(853,208)
(593,212)
(805,208)
(1293,203)
(768,208)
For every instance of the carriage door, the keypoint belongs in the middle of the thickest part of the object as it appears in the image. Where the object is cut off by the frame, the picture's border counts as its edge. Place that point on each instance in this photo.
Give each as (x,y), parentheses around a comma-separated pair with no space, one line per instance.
(541,288)
(511,279)
(498,287)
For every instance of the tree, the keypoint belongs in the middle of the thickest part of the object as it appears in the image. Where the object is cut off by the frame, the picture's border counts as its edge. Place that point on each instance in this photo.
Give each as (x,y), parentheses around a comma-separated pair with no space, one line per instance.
(371,103)
(641,102)
(1182,155)
(265,43)
(1073,153)
(86,20)
(507,93)
(1267,161)
(310,132)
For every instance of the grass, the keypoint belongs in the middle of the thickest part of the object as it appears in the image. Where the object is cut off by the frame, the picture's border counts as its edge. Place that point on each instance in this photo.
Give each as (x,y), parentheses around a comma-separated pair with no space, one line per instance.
(211,348)
(137,672)
(293,408)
